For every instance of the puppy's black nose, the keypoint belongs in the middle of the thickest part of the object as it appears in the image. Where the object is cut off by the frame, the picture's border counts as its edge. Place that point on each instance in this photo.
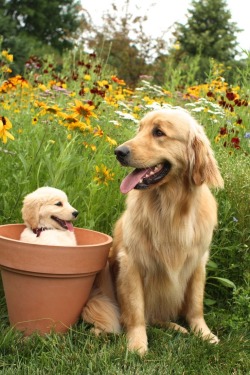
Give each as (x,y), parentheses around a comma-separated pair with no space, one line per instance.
(122,154)
(75,213)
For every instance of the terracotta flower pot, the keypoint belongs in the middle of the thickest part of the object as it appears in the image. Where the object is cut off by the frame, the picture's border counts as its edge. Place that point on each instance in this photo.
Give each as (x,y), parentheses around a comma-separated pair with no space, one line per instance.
(46,287)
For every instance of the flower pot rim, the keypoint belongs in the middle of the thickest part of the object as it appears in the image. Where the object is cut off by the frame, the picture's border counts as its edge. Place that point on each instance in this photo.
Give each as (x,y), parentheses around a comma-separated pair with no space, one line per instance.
(109,239)
(90,256)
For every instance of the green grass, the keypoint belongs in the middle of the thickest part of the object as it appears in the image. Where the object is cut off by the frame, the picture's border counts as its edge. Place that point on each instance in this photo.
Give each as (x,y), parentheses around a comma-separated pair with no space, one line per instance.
(50,153)
(80,352)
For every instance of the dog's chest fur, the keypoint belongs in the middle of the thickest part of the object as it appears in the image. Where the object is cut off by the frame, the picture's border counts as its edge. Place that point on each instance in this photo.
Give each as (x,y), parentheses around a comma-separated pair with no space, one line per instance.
(166,255)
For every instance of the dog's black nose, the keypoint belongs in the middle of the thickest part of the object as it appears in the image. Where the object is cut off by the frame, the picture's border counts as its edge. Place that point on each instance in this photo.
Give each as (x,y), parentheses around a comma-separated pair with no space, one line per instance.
(122,153)
(75,213)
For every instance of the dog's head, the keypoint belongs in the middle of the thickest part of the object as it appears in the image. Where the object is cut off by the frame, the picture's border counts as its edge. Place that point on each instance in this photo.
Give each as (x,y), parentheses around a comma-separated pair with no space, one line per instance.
(48,207)
(169,144)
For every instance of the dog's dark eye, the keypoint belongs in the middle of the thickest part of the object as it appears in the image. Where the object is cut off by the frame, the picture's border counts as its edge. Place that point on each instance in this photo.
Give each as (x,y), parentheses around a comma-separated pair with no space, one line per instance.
(59,204)
(158,133)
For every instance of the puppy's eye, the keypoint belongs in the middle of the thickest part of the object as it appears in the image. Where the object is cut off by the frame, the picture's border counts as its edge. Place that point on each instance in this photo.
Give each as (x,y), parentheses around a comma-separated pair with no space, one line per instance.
(59,204)
(158,133)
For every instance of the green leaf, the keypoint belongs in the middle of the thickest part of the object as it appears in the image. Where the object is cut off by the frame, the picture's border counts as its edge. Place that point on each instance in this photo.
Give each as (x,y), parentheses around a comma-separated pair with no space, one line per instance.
(211,264)
(209,301)
(227,283)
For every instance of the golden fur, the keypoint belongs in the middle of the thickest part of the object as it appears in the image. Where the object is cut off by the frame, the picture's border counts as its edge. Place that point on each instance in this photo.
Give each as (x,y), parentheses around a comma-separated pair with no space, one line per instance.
(161,242)
(38,207)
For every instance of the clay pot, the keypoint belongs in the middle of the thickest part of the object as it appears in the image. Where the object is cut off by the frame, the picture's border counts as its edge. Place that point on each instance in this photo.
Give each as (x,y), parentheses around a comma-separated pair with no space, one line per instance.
(46,287)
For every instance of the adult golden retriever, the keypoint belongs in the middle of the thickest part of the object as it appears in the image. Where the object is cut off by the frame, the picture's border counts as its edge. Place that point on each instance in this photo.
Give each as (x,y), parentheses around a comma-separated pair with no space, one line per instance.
(161,242)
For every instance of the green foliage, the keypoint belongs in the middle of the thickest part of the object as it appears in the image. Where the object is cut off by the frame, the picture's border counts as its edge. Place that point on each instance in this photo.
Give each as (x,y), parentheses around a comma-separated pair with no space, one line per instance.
(35,18)
(122,42)
(208,33)
(30,26)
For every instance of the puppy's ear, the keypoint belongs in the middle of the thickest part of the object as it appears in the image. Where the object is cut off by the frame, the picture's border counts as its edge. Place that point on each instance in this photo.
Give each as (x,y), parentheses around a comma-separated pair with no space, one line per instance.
(204,168)
(30,212)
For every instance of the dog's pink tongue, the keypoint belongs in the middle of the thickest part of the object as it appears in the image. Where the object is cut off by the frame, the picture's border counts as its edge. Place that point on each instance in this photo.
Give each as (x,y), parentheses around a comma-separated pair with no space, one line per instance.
(69,226)
(133,179)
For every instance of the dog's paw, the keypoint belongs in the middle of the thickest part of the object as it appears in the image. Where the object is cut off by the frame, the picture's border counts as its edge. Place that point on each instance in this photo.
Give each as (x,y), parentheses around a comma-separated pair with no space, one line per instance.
(201,329)
(211,338)
(177,327)
(137,346)
(96,331)
(137,340)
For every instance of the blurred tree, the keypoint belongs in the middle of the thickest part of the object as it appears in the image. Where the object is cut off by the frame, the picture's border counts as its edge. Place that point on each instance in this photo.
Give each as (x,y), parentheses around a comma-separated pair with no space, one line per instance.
(208,33)
(122,42)
(31,25)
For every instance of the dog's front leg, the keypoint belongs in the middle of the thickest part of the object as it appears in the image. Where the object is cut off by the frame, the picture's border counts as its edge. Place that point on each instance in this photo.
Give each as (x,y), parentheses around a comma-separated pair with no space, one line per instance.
(193,308)
(131,299)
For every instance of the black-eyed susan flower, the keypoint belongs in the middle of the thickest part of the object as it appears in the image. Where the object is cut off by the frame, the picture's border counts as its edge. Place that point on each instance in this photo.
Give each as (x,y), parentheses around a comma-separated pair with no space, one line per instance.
(98,132)
(84,110)
(103,175)
(34,120)
(48,109)
(5,125)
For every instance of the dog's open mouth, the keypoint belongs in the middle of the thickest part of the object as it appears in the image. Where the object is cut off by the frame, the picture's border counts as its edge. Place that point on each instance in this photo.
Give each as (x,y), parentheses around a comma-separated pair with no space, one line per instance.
(63,223)
(142,178)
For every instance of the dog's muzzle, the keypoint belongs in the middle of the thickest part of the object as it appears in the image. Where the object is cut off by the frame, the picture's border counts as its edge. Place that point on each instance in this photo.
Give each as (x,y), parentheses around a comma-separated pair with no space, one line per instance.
(122,155)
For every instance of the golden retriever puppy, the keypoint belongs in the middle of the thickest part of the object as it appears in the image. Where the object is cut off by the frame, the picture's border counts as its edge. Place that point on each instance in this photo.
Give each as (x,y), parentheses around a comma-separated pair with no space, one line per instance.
(161,242)
(48,217)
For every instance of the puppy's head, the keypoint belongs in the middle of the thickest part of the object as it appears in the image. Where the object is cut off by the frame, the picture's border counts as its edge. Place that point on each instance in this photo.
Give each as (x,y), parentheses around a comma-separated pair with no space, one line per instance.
(170,145)
(48,207)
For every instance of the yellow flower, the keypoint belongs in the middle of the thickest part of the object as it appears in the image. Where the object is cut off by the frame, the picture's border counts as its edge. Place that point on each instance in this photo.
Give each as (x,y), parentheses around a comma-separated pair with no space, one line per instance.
(34,120)
(6,69)
(98,132)
(103,83)
(42,87)
(111,141)
(48,109)
(5,125)
(137,109)
(86,145)
(18,80)
(8,56)
(177,46)
(87,77)
(103,175)
(83,109)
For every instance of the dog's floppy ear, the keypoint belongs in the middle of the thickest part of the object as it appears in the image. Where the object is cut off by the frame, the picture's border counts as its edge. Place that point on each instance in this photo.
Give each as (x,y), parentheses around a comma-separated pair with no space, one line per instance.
(30,211)
(204,168)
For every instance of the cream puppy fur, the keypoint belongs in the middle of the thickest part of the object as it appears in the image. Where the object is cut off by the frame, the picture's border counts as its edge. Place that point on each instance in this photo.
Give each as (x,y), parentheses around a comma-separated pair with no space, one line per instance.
(48,217)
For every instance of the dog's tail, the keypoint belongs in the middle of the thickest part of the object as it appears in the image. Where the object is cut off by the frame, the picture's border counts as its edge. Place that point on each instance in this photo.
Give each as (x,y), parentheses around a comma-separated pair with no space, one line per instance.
(103,313)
